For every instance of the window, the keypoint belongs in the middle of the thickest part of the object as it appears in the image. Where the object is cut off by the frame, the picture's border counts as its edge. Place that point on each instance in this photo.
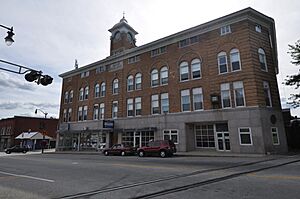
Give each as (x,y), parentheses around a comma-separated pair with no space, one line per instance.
(154,78)
(85,109)
(130,83)
(71,96)
(102,93)
(225,95)
(79,113)
(205,137)
(158,51)
(275,136)
(267,94)
(65,115)
(185,100)
(164,102)
(239,98)
(115,86)
(69,114)
(138,81)
(85,74)
(101,111)
(197,99)
(81,94)
(130,111)
(184,71)
(100,69)
(262,59)
(188,41)
(245,136)
(97,90)
(196,69)
(258,28)
(164,75)
(225,30)
(115,109)
(222,62)
(138,106)
(154,104)
(96,112)
(235,60)
(66,97)
(86,93)
(171,135)
(133,59)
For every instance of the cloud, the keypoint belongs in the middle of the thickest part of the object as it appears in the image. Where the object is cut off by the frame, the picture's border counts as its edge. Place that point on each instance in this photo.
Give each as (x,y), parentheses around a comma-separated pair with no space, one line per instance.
(30,106)
(9,82)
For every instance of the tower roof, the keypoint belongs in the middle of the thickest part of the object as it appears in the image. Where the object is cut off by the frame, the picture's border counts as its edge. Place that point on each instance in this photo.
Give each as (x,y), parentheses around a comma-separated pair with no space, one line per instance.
(123,23)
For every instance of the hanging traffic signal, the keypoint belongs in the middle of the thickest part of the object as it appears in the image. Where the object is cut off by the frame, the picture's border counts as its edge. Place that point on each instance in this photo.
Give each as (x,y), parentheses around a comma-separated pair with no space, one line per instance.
(45,80)
(32,76)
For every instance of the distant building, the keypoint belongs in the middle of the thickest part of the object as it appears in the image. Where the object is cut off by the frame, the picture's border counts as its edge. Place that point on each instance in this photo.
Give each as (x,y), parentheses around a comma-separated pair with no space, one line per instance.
(10,128)
(210,87)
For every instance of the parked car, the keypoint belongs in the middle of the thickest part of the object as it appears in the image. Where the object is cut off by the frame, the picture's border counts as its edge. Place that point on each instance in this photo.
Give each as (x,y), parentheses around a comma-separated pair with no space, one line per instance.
(120,149)
(16,149)
(162,148)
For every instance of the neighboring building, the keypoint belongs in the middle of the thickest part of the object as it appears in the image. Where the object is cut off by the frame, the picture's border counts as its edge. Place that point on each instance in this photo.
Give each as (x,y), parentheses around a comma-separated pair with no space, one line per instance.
(292,129)
(212,86)
(10,128)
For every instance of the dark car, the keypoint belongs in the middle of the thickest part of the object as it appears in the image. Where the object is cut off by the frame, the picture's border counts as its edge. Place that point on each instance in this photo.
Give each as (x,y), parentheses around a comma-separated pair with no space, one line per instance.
(16,149)
(162,148)
(119,149)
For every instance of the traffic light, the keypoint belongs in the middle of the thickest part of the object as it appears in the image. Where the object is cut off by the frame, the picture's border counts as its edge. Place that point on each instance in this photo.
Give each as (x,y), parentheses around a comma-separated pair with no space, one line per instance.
(32,76)
(45,80)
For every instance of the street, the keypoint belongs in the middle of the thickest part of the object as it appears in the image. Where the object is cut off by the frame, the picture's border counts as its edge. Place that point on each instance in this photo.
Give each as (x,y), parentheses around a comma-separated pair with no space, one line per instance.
(54,175)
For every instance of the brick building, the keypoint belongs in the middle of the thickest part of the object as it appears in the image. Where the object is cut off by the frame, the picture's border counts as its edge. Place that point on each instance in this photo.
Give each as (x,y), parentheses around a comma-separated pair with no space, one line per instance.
(210,87)
(10,128)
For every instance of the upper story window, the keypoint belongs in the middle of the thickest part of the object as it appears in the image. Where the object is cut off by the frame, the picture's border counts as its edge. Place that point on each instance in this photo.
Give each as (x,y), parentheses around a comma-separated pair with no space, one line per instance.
(69,115)
(65,115)
(196,68)
(184,71)
(97,90)
(100,69)
(130,111)
(197,99)
(96,112)
(185,100)
(225,30)
(130,85)
(267,94)
(158,51)
(115,109)
(86,92)
(222,62)
(164,75)
(133,59)
(138,81)
(85,74)
(138,106)
(239,95)
(85,109)
(258,28)
(164,102)
(225,95)
(155,104)
(101,111)
(80,94)
(235,60)
(115,86)
(188,41)
(262,59)
(71,95)
(154,78)
(79,114)
(66,97)
(102,89)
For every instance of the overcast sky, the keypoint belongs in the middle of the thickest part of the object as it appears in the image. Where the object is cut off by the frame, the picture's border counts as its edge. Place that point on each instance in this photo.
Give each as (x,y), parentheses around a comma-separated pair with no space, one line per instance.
(50,35)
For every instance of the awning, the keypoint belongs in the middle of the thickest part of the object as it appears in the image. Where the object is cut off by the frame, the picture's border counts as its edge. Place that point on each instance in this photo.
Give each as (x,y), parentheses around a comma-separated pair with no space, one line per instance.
(33,136)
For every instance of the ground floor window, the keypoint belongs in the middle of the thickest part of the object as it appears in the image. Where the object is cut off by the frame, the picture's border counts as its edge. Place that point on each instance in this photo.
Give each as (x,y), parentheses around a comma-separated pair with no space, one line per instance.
(205,136)
(275,136)
(245,136)
(137,138)
(171,135)
(128,138)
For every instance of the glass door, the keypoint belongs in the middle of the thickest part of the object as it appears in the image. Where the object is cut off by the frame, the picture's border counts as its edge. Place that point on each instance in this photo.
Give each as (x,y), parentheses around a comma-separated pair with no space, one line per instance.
(223,139)
(137,139)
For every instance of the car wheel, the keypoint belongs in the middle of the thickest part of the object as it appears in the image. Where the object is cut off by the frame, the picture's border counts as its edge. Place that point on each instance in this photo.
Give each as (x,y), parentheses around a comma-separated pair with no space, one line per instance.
(106,153)
(123,153)
(24,151)
(8,152)
(162,154)
(141,153)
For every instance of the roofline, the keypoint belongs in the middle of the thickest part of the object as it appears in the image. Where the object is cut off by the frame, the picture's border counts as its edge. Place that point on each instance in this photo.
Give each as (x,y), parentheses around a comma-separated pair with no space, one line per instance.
(202,28)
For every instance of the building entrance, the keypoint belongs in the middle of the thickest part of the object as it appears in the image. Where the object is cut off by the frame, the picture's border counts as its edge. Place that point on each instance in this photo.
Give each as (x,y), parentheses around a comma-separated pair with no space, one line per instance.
(223,139)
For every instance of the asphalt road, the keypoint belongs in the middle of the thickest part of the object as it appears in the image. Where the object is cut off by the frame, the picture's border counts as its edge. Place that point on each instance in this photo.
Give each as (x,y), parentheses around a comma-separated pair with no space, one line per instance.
(97,176)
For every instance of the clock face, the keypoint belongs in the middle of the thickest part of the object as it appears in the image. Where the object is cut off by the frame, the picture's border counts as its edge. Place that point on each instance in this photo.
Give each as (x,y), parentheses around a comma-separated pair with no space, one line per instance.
(129,37)
(117,36)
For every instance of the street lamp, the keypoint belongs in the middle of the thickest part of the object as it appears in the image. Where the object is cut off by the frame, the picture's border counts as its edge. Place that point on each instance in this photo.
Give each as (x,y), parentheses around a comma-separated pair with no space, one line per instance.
(43,127)
(8,39)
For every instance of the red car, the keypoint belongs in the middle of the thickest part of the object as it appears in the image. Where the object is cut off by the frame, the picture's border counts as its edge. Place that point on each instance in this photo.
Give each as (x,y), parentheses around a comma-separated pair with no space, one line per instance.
(119,149)
(162,148)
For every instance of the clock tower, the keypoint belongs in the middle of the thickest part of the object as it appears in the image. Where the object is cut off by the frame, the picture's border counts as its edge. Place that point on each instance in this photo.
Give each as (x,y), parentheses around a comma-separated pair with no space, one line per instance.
(122,37)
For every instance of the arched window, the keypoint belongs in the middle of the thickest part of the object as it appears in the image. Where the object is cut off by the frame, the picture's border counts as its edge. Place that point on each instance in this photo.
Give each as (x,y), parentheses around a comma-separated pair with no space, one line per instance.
(196,68)
(154,78)
(115,86)
(262,59)
(71,96)
(80,94)
(66,97)
(102,93)
(97,90)
(222,62)
(86,92)
(130,84)
(184,71)
(138,81)
(235,60)
(164,75)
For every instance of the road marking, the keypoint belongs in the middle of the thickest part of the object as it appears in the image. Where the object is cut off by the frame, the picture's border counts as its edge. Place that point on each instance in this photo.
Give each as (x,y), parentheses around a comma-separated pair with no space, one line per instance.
(275,177)
(25,176)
